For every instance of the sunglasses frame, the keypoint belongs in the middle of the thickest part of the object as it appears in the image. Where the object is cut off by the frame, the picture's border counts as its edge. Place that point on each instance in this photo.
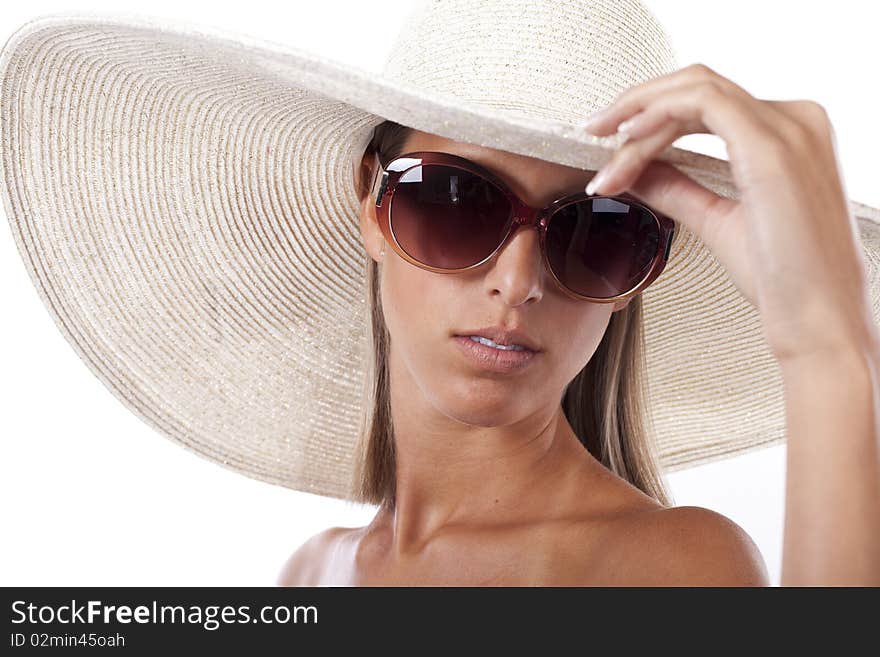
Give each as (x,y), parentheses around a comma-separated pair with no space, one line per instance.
(386,179)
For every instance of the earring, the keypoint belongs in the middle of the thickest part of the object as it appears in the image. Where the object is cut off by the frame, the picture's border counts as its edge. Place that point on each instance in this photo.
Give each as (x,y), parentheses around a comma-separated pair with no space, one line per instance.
(382,252)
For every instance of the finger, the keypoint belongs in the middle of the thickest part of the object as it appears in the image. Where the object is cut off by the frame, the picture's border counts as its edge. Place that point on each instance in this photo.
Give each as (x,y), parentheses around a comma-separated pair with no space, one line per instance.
(631,158)
(638,97)
(745,126)
(652,119)
(673,193)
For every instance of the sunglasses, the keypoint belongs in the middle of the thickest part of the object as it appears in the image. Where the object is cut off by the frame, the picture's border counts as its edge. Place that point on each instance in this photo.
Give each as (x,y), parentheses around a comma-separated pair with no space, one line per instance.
(447,214)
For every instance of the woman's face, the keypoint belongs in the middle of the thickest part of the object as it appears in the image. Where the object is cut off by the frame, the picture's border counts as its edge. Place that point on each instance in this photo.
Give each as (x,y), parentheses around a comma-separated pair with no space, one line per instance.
(425,310)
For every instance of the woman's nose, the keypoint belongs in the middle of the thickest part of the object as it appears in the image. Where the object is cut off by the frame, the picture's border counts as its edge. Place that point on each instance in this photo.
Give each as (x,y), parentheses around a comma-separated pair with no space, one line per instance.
(517,270)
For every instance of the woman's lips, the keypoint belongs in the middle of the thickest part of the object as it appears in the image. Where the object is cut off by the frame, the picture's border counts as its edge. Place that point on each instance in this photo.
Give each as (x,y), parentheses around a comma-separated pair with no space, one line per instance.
(495,360)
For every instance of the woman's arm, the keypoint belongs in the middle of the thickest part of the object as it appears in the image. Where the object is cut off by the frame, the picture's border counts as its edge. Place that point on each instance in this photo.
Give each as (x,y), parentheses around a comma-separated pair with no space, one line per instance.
(832,507)
(792,247)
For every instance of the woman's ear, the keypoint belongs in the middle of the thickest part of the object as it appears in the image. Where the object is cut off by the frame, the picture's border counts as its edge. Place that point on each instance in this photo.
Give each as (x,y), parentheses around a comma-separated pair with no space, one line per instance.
(371,234)
(363,173)
(620,305)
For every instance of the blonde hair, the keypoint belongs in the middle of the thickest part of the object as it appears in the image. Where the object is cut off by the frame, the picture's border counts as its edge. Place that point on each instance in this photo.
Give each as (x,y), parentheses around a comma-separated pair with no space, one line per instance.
(604,403)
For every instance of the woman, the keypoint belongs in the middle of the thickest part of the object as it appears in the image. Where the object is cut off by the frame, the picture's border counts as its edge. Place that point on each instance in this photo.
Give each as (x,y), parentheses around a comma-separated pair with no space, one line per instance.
(493,485)
(196,222)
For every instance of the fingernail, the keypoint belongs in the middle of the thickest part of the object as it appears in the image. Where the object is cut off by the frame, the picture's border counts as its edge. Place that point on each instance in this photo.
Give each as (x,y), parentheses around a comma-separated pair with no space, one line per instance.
(591,119)
(624,127)
(594,183)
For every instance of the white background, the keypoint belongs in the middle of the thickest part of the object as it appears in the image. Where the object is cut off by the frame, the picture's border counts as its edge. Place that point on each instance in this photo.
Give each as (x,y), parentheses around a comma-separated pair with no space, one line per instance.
(93,496)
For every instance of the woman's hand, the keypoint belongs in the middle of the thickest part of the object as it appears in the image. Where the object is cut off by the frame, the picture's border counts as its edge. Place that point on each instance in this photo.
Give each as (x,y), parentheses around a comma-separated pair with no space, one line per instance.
(790,243)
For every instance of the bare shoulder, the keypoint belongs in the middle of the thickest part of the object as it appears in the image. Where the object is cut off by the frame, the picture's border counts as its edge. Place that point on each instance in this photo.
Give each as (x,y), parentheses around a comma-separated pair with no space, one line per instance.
(306,565)
(690,546)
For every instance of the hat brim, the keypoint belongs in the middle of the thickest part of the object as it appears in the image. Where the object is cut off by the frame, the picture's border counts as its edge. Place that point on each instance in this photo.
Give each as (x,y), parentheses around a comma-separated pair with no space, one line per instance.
(183,200)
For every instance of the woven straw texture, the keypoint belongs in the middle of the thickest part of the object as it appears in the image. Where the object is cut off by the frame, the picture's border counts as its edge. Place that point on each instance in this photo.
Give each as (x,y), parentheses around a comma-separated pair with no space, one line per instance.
(183,200)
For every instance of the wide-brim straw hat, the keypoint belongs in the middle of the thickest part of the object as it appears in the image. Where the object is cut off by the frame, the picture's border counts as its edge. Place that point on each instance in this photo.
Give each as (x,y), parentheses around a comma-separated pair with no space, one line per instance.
(183,198)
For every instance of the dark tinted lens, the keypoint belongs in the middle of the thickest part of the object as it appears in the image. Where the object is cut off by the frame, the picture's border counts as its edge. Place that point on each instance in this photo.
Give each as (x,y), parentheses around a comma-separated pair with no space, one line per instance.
(601,247)
(447,217)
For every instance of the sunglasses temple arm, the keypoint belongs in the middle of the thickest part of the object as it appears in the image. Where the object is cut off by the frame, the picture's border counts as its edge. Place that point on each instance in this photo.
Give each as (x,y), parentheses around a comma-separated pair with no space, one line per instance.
(380,182)
(673,232)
